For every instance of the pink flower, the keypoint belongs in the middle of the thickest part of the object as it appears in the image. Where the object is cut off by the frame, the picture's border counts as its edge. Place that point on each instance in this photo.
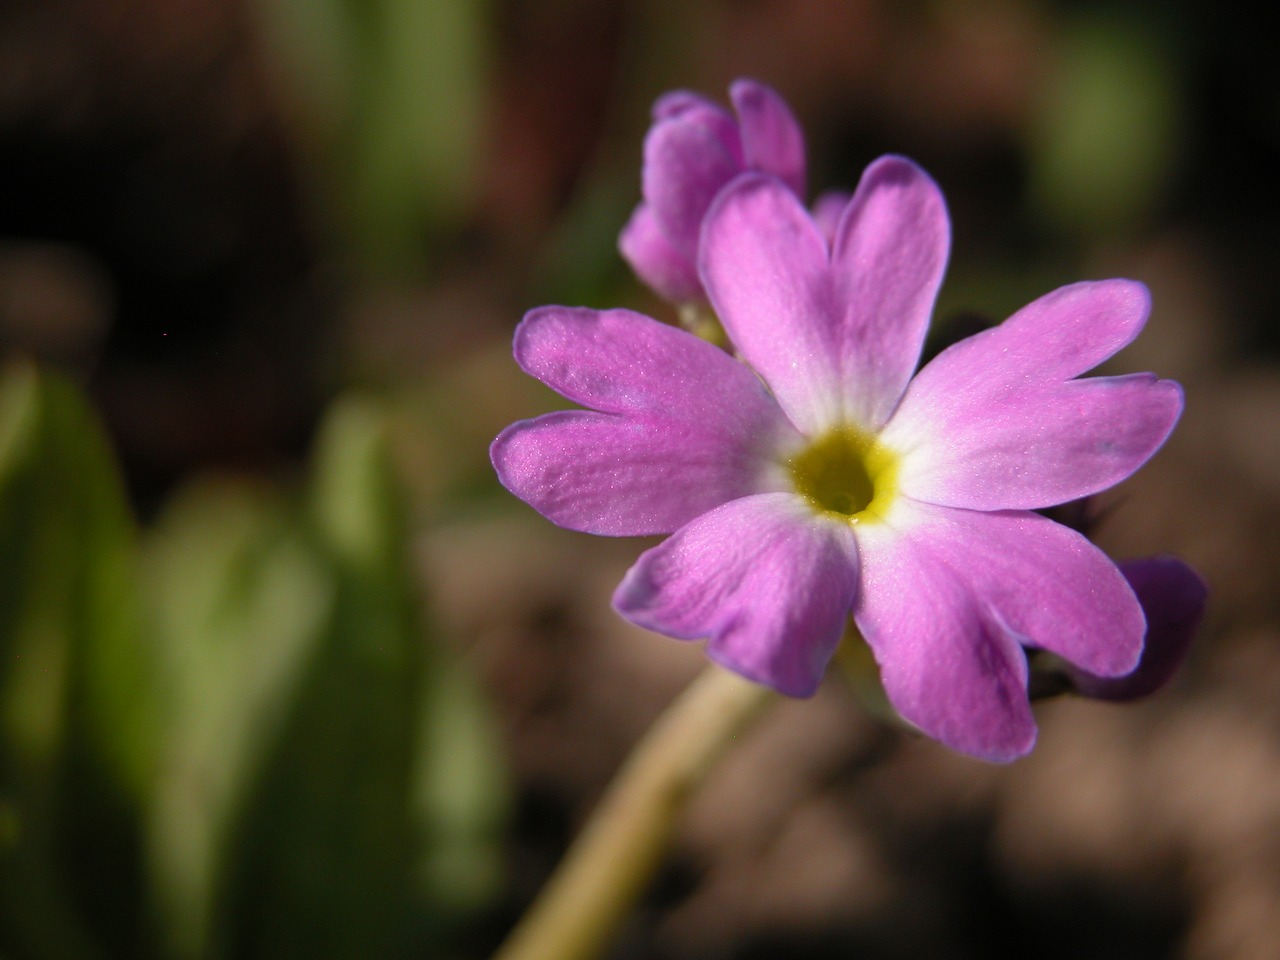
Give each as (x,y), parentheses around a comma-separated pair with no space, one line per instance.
(693,149)
(816,479)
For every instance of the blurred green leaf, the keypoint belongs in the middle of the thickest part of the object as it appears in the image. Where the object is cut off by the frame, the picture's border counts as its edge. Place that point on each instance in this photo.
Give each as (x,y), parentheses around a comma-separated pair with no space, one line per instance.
(581,262)
(240,603)
(317,770)
(326,861)
(312,47)
(390,96)
(77,732)
(1108,131)
(355,505)
(461,794)
(418,142)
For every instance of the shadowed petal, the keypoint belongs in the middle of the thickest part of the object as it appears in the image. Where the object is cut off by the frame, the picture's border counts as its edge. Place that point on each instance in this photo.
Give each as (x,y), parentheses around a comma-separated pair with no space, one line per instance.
(889,255)
(947,663)
(765,269)
(772,141)
(768,583)
(655,261)
(828,209)
(688,157)
(1173,597)
(994,422)
(675,102)
(626,475)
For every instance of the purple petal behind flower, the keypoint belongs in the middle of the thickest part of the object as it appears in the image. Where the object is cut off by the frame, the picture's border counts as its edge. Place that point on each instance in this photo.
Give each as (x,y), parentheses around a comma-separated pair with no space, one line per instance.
(827,210)
(687,159)
(1174,598)
(668,273)
(772,141)
(675,102)
(692,150)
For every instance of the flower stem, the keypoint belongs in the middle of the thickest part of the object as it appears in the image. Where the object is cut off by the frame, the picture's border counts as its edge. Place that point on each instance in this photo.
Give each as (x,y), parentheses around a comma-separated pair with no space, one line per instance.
(622,844)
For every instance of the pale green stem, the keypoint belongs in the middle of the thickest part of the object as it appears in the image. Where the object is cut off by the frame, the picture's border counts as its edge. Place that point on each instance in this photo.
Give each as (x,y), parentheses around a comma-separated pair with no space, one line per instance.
(623,843)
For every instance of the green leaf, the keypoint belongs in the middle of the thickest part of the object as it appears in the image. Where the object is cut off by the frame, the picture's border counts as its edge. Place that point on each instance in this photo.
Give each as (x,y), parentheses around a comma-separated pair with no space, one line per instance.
(390,95)
(461,793)
(327,861)
(418,143)
(77,742)
(240,602)
(330,786)
(1109,129)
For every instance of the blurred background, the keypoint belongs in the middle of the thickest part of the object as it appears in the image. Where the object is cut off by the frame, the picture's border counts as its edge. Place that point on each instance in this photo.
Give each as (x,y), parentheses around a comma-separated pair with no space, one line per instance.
(283,672)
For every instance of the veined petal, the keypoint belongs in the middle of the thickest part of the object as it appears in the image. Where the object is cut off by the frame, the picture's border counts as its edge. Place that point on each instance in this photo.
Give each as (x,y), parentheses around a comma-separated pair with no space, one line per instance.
(994,422)
(683,426)
(947,663)
(630,475)
(688,157)
(765,269)
(655,261)
(772,141)
(889,255)
(764,579)
(619,361)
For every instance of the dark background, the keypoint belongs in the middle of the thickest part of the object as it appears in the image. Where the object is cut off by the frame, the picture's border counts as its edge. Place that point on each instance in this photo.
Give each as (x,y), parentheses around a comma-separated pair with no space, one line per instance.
(217,215)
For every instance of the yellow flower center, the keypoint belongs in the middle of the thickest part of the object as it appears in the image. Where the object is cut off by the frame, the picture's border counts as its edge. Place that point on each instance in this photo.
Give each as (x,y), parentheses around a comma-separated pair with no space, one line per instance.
(846,473)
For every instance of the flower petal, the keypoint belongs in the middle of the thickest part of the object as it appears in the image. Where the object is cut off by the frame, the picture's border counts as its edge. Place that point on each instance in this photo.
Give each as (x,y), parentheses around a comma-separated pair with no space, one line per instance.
(765,269)
(949,596)
(675,102)
(768,582)
(627,476)
(772,141)
(688,157)
(947,663)
(1047,583)
(835,337)
(1059,336)
(889,255)
(994,422)
(655,261)
(620,361)
(684,427)
(1173,597)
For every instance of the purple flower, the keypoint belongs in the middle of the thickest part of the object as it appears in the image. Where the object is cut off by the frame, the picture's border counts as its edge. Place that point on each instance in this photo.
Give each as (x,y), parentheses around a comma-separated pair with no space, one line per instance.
(817,479)
(1173,597)
(693,149)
